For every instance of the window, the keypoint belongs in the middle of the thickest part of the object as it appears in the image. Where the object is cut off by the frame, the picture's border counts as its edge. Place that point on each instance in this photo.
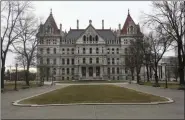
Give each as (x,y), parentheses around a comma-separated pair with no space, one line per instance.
(96,39)
(131,29)
(63,71)
(83,50)
(54,41)
(54,71)
(67,78)
(90,60)
(63,61)
(72,61)
(102,49)
(67,61)
(112,50)
(97,60)
(41,50)
(117,70)
(118,78)
(117,50)
(125,70)
(108,61)
(48,61)
(48,50)
(41,41)
(97,51)
(48,41)
(113,70)
(63,51)
(72,50)
(72,71)
(84,39)
(41,60)
(108,50)
(68,71)
(125,50)
(83,60)
(113,61)
(54,50)
(78,50)
(90,50)
(108,71)
(62,78)
(54,61)
(117,60)
(67,50)
(90,38)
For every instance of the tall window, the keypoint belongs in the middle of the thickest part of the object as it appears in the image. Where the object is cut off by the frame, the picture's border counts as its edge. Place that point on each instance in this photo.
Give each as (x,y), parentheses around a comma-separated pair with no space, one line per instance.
(112,50)
(117,60)
(41,41)
(117,50)
(48,51)
(83,50)
(97,60)
(97,51)
(63,61)
(113,70)
(83,60)
(90,60)
(67,50)
(96,38)
(72,61)
(117,70)
(108,61)
(125,50)
(90,38)
(108,71)
(54,41)
(54,50)
(63,71)
(63,51)
(72,71)
(84,39)
(54,61)
(72,50)
(90,50)
(68,61)
(113,61)
(108,50)
(48,61)
(131,29)
(68,71)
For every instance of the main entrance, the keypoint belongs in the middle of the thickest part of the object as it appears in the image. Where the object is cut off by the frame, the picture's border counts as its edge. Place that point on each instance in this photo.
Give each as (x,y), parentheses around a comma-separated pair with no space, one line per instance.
(90,72)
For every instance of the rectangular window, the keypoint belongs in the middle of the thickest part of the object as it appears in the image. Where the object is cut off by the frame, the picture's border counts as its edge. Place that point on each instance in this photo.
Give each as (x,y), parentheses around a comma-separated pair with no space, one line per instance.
(63,71)
(72,61)
(83,60)
(108,71)
(72,71)
(97,60)
(97,51)
(63,51)
(113,61)
(117,70)
(113,70)
(63,61)
(68,71)
(54,61)
(108,61)
(68,61)
(90,50)
(83,50)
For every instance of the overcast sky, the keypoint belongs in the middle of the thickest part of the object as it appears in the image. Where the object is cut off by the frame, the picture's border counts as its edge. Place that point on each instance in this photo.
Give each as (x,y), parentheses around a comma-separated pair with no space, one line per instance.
(67,12)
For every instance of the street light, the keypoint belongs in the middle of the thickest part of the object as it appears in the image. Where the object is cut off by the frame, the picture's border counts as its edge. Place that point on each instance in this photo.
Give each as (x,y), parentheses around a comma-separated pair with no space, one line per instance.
(166,85)
(16,65)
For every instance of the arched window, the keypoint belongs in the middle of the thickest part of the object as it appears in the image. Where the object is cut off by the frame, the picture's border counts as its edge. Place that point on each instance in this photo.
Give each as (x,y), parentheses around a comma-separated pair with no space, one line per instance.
(72,50)
(117,50)
(48,50)
(113,61)
(84,38)
(96,39)
(68,61)
(90,39)
(90,60)
(108,50)
(97,60)
(54,50)
(112,50)
(83,50)
(67,50)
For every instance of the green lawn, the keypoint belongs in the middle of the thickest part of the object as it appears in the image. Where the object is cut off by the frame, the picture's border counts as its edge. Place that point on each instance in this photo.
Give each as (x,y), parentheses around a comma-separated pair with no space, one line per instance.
(92,94)
(162,85)
(91,81)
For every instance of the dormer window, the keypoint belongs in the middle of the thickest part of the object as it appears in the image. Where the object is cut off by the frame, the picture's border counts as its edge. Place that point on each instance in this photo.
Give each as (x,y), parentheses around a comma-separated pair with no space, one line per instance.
(131,29)
(96,38)
(84,39)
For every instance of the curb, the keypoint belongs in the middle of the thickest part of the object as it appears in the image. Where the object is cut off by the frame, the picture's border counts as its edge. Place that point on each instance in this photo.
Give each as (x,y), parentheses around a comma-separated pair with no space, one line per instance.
(16,103)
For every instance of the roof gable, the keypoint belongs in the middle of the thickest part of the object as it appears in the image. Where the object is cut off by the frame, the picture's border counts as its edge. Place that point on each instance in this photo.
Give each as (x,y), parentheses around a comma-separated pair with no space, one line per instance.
(51,21)
(126,24)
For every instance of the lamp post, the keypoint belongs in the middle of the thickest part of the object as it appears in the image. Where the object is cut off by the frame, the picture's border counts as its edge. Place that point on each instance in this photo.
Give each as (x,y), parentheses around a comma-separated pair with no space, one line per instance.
(16,65)
(166,85)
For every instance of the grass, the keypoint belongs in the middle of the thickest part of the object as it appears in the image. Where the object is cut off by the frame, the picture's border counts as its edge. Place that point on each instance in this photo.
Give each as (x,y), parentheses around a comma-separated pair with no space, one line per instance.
(93,94)
(91,81)
(20,85)
(163,85)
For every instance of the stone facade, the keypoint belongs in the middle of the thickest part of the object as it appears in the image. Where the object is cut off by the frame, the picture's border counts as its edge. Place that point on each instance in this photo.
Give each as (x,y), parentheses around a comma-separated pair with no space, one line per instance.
(84,54)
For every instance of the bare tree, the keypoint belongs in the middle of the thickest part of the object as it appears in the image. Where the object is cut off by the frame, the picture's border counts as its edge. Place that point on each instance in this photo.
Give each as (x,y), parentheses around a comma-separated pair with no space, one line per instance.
(129,64)
(159,44)
(27,43)
(170,15)
(10,13)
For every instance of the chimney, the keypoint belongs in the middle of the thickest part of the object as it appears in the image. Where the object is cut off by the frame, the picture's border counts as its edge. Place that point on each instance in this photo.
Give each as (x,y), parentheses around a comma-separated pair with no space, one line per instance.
(60,28)
(119,26)
(77,22)
(90,21)
(102,24)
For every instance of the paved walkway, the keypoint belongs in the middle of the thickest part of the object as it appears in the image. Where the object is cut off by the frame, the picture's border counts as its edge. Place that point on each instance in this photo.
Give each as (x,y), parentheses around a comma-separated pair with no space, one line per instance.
(168,111)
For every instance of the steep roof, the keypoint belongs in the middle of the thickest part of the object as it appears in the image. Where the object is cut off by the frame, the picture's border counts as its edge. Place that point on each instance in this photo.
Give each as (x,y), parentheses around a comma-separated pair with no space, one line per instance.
(51,21)
(127,21)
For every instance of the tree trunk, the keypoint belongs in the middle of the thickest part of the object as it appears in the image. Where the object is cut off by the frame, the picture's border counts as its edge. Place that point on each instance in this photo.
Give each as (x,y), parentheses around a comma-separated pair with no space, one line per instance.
(138,78)
(2,73)
(181,75)
(27,76)
(147,73)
